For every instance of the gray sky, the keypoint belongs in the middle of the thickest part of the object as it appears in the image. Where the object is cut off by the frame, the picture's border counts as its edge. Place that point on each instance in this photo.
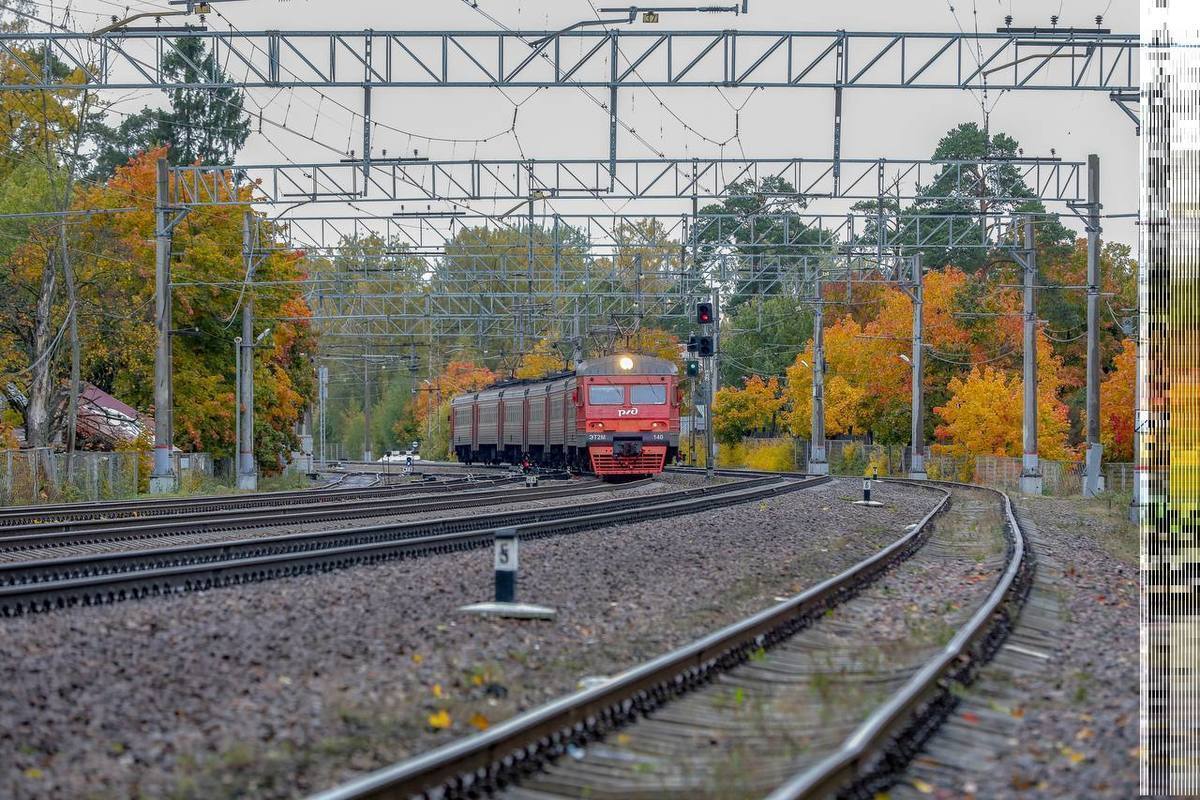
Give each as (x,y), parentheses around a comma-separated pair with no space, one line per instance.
(784,122)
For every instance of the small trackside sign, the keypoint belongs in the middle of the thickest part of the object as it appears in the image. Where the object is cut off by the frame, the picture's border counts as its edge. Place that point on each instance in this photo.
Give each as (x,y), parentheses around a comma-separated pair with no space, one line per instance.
(506,550)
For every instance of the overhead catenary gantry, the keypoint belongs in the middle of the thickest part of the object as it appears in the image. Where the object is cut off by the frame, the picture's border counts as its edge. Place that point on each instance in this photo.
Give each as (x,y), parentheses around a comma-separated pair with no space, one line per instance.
(611,59)
(1017,59)
(406,180)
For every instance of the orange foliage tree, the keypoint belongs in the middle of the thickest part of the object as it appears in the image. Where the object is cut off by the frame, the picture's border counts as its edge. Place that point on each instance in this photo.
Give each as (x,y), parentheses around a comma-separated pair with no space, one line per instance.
(116,265)
(867,384)
(428,415)
(1117,398)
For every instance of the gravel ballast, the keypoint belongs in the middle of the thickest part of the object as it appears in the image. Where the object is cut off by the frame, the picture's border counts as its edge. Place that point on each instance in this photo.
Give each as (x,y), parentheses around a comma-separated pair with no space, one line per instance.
(283,688)
(1079,732)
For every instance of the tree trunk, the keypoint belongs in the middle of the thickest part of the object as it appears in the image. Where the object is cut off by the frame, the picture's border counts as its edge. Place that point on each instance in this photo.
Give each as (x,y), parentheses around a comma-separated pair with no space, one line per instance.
(41,385)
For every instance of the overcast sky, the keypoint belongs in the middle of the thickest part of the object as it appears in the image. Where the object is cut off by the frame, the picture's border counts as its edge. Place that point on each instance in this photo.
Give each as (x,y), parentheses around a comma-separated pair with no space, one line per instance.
(782,122)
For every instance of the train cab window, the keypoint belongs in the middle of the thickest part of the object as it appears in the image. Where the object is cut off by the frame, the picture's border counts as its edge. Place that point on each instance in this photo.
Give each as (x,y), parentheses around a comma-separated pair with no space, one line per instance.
(648,394)
(606,395)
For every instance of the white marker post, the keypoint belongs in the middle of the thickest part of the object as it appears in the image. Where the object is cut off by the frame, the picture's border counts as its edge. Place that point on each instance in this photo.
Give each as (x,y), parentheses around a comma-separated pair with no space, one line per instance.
(506,561)
(867,501)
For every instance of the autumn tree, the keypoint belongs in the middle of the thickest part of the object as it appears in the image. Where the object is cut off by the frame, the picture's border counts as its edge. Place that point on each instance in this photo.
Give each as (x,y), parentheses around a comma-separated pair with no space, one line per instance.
(985,412)
(656,342)
(739,412)
(544,359)
(41,135)
(427,420)
(117,268)
(1117,405)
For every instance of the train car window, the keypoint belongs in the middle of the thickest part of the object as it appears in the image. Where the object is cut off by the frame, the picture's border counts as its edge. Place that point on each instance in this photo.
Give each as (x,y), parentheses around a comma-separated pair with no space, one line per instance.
(648,394)
(606,395)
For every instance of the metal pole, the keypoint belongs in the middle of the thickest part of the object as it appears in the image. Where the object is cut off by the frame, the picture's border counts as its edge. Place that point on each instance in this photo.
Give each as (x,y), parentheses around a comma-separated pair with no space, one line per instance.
(612,109)
(818,464)
(247,468)
(917,468)
(322,391)
(237,408)
(162,478)
(366,410)
(692,430)
(1093,483)
(366,153)
(837,112)
(1031,470)
(710,441)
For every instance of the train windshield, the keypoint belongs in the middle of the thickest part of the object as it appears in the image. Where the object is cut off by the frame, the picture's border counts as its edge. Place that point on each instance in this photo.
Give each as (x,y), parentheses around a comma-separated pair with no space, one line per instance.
(648,394)
(606,395)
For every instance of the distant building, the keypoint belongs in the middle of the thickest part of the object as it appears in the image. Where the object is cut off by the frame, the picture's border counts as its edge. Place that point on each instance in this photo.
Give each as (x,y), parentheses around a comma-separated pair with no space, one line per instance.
(104,422)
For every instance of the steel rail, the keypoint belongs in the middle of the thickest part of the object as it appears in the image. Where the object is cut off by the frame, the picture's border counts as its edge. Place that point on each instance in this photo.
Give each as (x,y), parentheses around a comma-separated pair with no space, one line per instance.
(57,583)
(127,529)
(488,760)
(34,516)
(894,732)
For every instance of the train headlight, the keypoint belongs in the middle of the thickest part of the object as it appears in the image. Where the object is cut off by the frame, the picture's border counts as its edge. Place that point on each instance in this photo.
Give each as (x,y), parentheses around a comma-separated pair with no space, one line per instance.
(625,362)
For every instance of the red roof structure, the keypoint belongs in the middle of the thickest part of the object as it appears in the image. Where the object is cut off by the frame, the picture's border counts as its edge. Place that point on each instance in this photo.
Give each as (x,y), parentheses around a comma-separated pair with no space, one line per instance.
(104,421)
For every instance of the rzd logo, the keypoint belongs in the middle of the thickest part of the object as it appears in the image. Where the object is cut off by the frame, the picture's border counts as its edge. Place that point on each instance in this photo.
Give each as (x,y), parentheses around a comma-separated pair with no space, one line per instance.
(627,412)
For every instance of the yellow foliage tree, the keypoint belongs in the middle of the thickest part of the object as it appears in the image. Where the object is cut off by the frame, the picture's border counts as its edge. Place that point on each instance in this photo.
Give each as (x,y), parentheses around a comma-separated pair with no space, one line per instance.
(543,359)
(737,412)
(848,365)
(983,415)
(656,342)
(985,412)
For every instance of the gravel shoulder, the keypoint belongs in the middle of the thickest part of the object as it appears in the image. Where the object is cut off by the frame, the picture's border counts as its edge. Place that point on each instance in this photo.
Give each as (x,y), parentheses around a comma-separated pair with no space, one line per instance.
(280,689)
(1056,714)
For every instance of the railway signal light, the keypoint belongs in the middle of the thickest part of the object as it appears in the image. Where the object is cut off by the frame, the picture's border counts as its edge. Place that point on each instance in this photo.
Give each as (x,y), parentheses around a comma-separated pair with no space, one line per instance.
(693,369)
(692,344)
(704,314)
(706,346)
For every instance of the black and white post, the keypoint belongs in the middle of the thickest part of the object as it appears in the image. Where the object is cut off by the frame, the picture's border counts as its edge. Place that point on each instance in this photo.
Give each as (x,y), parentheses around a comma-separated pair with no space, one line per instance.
(866,498)
(506,561)
(506,557)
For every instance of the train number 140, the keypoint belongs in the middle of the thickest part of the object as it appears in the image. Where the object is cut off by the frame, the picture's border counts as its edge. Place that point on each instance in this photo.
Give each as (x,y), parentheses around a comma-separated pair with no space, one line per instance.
(627,412)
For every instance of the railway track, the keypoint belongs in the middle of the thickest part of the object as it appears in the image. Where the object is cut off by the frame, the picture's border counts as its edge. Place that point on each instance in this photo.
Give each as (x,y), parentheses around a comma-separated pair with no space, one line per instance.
(109,577)
(45,515)
(759,707)
(89,533)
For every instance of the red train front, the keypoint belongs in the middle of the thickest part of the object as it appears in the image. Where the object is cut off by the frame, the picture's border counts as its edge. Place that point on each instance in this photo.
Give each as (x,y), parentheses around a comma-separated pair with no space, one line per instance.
(614,415)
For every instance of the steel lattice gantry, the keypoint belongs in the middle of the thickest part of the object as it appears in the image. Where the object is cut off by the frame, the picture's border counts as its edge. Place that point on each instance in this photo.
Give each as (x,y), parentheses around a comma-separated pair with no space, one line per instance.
(401,180)
(1017,59)
(776,231)
(438,277)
